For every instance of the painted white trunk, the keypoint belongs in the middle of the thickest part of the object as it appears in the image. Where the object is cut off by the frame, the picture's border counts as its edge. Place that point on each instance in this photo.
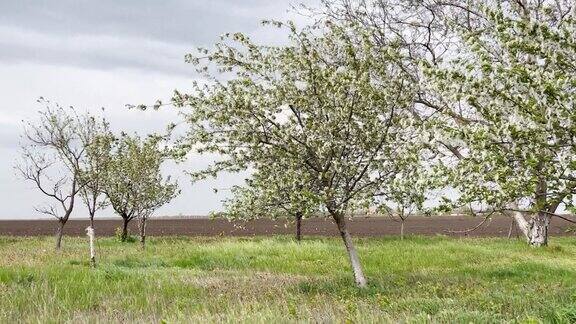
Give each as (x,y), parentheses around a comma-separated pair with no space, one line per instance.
(538,229)
(535,230)
(91,236)
(352,254)
(521,222)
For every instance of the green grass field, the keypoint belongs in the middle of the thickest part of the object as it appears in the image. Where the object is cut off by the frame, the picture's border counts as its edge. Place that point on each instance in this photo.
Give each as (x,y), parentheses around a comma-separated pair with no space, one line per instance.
(420,279)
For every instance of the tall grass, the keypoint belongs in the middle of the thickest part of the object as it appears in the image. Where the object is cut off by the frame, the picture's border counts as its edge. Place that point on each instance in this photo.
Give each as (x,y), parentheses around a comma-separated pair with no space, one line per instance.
(419,279)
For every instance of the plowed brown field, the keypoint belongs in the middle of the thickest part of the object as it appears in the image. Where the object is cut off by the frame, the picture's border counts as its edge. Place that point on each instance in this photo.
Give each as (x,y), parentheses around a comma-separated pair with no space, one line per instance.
(359,226)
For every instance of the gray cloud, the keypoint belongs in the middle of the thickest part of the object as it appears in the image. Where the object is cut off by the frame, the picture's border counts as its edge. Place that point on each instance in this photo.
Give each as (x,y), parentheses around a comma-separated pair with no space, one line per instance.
(93,51)
(179,21)
(148,35)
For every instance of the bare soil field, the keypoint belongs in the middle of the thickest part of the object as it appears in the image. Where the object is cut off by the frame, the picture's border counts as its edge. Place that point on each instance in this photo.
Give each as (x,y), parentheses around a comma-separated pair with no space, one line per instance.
(359,226)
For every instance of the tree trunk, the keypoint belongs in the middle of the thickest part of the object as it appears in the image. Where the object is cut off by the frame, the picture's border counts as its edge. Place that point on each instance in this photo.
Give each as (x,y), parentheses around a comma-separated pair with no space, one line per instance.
(298,227)
(511,228)
(538,229)
(91,236)
(92,220)
(125,230)
(521,222)
(352,254)
(59,233)
(143,232)
(402,230)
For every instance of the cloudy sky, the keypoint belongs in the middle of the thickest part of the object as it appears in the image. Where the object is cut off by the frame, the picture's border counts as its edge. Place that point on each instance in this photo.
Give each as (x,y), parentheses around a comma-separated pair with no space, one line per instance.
(93,54)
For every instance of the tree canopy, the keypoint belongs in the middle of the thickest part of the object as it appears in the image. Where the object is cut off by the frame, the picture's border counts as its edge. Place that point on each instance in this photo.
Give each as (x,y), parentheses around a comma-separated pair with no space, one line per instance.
(133,181)
(327,116)
(52,156)
(508,101)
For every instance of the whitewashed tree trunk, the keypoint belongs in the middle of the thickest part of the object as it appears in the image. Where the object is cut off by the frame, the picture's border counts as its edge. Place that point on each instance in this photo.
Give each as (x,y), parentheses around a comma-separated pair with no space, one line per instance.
(521,222)
(352,254)
(91,237)
(538,229)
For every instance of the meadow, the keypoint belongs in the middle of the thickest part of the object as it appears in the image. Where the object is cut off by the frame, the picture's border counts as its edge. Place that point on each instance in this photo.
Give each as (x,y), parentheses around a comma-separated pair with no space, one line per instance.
(276,279)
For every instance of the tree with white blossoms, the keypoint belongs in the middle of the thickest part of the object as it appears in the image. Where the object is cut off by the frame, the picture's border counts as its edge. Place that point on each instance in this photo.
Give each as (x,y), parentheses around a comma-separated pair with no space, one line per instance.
(405,193)
(134,183)
(512,58)
(51,159)
(327,108)
(507,103)
(287,196)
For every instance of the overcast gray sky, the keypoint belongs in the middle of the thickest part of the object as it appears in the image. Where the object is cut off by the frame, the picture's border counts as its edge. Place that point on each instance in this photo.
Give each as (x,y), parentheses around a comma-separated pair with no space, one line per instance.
(93,54)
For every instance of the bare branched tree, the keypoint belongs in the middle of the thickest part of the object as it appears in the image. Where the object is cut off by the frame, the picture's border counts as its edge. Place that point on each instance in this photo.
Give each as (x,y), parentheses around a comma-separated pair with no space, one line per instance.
(52,153)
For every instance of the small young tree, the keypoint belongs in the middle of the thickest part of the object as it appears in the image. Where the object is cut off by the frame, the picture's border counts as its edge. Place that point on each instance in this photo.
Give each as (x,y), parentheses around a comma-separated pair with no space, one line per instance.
(97,140)
(134,183)
(51,159)
(399,209)
(284,197)
(405,193)
(327,108)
